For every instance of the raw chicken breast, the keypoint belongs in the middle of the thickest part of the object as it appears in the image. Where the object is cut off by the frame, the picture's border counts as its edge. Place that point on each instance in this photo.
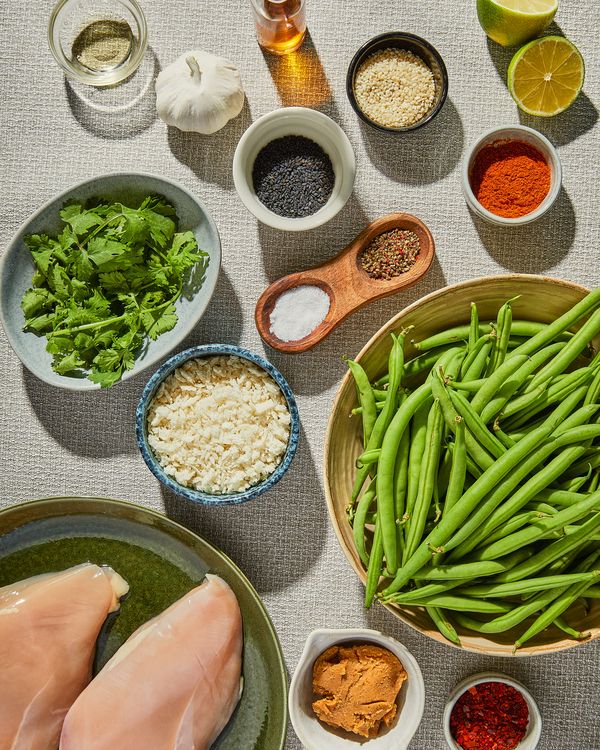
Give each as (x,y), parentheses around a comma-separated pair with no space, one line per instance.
(48,630)
(174,683)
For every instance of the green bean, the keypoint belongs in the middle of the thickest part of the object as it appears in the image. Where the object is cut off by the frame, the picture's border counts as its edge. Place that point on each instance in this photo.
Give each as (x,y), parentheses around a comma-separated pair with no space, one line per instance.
(472,570)
(558,606)
(555,393)
(563,625)
(539,507)
(505,439)
(553,553)
(593,394)
(527,585)
(474,367)
(472,386)
(588,463)
(366,398)
(477,527)
(574,485)
(427,480)
(521,403)
(550,332)
(424,362)
(368,458)
(474,328)
(457,515)
(481,528)
(593,593)
(538,529)
(572,350)
(583,415)
(475,424)
(515,381)
(503,327)
(456,482)
(443,624)
(428,590)
(455,603)
(479,455)
(401,486)
(375,567)
(516,522)
(396,366)
(527,328)
(443,477)
(493,384)
(594,483)
(560,497)
(418,434)
(385,471)
(514,617)
(358,526)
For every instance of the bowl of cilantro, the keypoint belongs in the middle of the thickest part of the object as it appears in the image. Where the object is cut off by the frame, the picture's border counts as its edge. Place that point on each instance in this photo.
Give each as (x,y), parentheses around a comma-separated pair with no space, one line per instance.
(107,278)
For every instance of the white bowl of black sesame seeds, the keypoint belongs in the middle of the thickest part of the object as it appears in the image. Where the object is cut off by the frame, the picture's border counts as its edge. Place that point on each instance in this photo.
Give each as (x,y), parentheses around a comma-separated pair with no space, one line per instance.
(294,169)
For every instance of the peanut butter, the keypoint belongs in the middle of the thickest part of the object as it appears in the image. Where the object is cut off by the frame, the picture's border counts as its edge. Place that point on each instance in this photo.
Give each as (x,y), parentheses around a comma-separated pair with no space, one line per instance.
(358,686)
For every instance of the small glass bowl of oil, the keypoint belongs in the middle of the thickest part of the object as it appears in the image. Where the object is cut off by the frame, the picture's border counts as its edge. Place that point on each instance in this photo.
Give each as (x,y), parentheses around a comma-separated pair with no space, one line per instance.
(98,42)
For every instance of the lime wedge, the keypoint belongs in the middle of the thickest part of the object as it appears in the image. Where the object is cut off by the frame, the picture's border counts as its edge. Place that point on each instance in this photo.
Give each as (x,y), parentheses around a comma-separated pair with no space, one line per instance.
(546,76)
(513,22)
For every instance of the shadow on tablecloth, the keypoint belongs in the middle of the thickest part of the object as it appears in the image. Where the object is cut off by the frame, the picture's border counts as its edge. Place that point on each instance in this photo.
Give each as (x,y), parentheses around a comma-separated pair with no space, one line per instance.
(117,112)
(535,247)
(420,157)
(277,538)
(210,156)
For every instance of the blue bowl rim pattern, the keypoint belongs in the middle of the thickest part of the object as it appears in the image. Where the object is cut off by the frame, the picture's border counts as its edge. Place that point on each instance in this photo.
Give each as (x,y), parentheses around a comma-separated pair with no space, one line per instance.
(166,369)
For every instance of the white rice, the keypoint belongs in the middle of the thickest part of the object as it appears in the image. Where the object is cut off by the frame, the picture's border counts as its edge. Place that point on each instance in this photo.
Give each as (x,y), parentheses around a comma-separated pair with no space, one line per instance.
(219,424)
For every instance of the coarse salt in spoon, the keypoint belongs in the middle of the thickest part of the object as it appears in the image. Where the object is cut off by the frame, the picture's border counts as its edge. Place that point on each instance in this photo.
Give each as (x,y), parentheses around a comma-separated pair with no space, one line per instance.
(346,283)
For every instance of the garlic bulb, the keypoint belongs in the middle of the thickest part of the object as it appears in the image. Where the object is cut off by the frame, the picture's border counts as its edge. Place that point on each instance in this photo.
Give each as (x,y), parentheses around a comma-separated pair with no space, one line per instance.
(199,92)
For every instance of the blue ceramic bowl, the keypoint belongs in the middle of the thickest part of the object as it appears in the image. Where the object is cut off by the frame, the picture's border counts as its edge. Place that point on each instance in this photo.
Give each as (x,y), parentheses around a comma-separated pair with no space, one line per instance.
(196,496)
(16,270)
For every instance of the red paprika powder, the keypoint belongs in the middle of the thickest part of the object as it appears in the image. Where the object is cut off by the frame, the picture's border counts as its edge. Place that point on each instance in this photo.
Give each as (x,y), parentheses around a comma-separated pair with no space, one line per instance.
(489,716)
(510,178)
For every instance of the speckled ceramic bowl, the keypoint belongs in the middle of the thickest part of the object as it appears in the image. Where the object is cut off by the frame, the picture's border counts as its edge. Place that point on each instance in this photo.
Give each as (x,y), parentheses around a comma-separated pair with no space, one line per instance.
(16,270)
(152,463)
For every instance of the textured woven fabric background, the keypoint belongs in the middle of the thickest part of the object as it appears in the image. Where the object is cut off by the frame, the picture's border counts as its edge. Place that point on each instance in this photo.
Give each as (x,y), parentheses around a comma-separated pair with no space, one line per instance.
(55,442)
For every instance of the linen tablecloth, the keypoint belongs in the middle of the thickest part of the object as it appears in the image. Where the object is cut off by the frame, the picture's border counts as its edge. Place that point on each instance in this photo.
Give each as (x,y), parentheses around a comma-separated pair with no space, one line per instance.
(56,442)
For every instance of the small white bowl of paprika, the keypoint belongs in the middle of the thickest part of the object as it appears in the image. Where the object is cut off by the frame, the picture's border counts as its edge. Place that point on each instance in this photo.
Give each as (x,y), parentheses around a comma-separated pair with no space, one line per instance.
(491,708)
(511,175)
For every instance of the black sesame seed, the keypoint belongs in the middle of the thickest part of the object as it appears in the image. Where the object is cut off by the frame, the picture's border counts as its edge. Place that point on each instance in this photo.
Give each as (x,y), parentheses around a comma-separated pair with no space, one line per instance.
(293,176)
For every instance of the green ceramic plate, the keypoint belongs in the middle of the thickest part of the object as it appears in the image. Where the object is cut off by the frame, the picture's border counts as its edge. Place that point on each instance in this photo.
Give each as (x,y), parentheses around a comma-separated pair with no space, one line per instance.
(161,561)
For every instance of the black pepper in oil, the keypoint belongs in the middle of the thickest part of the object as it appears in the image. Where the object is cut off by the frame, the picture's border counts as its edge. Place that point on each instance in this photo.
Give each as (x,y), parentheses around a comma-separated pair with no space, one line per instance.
(390,254)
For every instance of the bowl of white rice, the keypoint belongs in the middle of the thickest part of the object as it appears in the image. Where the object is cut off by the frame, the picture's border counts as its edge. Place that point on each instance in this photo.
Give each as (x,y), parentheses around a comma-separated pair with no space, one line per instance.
(217,424)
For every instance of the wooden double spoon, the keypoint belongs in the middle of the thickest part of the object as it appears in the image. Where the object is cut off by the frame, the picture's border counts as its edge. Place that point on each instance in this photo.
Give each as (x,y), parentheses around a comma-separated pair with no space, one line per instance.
(348,285)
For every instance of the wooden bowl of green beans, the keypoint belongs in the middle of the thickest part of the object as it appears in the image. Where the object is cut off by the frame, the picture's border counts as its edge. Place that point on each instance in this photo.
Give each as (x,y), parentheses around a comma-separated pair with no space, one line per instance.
(465,487)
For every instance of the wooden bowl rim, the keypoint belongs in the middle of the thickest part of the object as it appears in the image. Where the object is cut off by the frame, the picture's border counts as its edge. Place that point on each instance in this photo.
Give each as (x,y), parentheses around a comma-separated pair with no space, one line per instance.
(500,649)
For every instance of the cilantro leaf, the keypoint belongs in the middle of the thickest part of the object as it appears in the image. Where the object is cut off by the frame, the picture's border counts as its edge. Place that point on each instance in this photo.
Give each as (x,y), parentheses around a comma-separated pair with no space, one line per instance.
(107,284)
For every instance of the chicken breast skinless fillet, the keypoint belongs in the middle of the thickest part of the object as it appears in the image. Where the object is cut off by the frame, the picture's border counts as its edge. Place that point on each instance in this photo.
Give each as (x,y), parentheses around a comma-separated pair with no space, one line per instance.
(174,683)
(49,625)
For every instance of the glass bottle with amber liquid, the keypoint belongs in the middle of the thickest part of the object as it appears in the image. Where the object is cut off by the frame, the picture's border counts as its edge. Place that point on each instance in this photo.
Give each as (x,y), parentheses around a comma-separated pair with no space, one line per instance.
(280,24)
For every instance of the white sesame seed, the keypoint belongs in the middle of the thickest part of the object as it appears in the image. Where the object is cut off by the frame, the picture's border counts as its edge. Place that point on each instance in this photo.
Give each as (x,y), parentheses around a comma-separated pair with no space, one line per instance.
(394,88)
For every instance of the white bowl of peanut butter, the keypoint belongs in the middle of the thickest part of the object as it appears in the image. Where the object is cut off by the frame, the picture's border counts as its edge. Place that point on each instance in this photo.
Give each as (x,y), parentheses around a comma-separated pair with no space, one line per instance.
(356,687)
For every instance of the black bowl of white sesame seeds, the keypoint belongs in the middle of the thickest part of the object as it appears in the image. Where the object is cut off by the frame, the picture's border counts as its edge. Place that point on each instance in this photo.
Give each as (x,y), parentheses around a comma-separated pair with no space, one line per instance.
(397,82)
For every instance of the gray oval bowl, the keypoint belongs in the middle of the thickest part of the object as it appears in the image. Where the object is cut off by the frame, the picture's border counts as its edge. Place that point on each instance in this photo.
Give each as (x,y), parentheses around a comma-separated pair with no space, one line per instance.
(16,270)
(141,432)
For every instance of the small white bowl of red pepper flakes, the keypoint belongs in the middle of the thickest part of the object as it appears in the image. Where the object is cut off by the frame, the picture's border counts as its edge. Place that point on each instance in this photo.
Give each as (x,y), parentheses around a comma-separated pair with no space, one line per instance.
(491,711)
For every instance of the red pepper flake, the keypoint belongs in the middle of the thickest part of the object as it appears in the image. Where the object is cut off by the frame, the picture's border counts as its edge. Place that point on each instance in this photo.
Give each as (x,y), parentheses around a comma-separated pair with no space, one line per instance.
(489,716)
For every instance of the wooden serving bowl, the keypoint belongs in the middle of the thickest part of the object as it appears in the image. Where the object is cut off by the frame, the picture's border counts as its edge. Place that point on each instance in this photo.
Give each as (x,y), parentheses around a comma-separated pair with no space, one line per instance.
(348,285)
(541,299)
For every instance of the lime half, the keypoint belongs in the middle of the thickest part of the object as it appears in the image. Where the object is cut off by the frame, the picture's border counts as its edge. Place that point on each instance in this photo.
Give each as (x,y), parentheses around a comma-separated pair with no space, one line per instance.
(513,22)
(546,76)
